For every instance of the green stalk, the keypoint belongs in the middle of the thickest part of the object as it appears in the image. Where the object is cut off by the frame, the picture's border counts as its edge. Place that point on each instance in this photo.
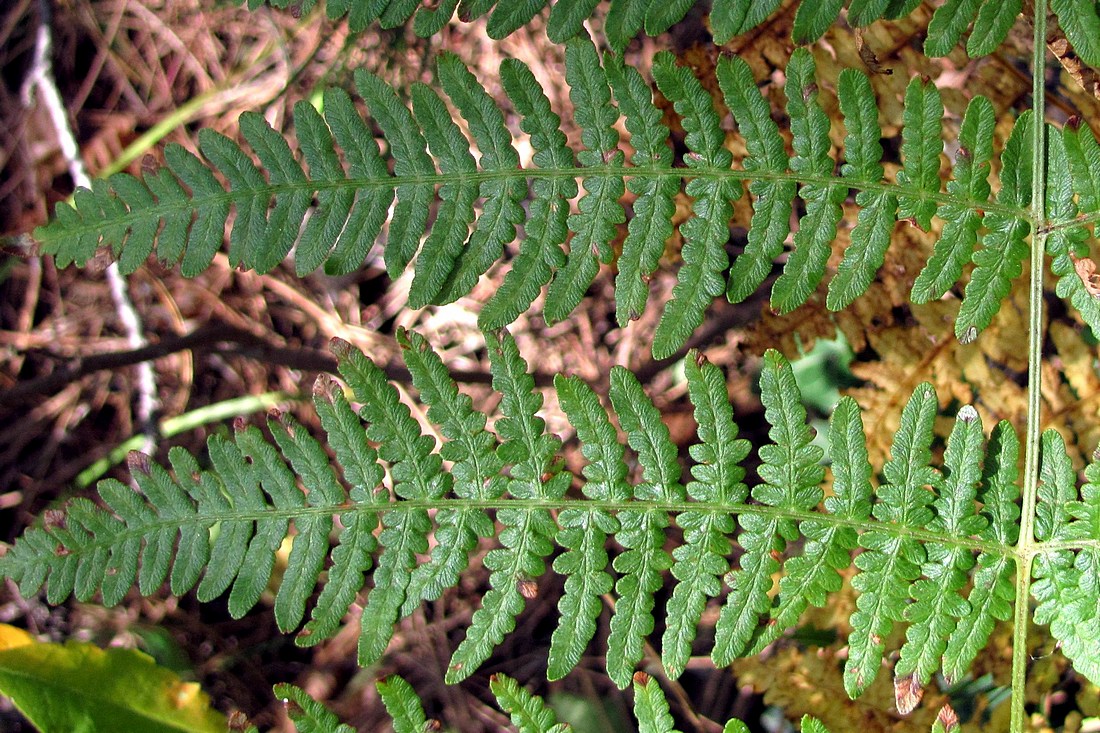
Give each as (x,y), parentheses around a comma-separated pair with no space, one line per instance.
(1025,545)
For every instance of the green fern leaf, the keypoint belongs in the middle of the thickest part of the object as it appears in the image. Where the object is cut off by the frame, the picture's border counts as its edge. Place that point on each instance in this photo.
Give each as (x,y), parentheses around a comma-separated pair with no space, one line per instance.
(642,531)
(508,17)
(1080,20)
(541,252)
(772,199)
(333,205)
(567,19)
(353,557)
(402,704)
(476,470)
(812,19)
(409,150)
(651,225)
(995,19)
(417,474)
(729,18)
(246,181)
(920,151)
(372,204)
(875,223)
(865,12)
(501,212)
(444,243)
(528,712)
(308,715)
(817,227)
(663,15)
(992,594)
(430,21)
(948,24)
(811,576)
(701,561)
(699,280)
(1071,159)
(528,533)
(970,179)
(792,476)
(1000,260)
(624,19)
(938,605)
(651,707)
(890,561)
(599,210)
(584,532)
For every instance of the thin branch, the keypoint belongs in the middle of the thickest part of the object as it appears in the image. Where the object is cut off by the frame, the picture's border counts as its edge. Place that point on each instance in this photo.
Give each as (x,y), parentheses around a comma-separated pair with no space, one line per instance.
(40,83)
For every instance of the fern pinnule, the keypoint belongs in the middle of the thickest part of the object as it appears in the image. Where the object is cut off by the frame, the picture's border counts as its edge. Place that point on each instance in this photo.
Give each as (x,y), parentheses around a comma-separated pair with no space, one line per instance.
(417,474)
(890,562)
(817,227)
(1000,259)
(970,179)
(527,534)
(501,211)
(812,19)
(402,704)
(444,243)
(540,254)
(992,591)
(699,279)
(772,198)
(938,605)
(584,531)
(354,555)
(599,211)
(718,477)
(792,477)
(642,530)
(1067,581)
(308,715)
(1073,162)
(650,706)
(875,223)
(921,147)
(475,470)
(528,712)
(651,225)
(409,151)
(810,577)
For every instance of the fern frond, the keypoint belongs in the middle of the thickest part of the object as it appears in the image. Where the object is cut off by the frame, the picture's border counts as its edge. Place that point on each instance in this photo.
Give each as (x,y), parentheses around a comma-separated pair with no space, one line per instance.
(599,210)
(546,230)
(1072,160)
(792,476)
(699,280)
(875,223)
(772,198)
(651,225)
(817,227)
(528,533)
(811,576)
(1067,585)
(308,715)
(717,473)
(990,599)
(934,614)
(1000,259)
(642,531)
(584,532)
(970,179)
(528,712)
(402,704)
(475,470)
(890,562)
(416,472)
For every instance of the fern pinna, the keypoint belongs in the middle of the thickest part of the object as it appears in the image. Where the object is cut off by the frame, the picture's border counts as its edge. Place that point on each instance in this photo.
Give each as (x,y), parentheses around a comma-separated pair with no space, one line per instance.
(933,546)
(988,21)
(181,210)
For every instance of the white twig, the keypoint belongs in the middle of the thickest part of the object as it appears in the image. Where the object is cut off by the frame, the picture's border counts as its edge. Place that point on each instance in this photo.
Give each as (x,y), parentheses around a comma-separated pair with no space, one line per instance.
(40,82)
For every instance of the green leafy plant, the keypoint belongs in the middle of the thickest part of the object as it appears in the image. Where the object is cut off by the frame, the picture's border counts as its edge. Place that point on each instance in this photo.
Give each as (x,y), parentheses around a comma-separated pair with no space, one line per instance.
(948,548)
